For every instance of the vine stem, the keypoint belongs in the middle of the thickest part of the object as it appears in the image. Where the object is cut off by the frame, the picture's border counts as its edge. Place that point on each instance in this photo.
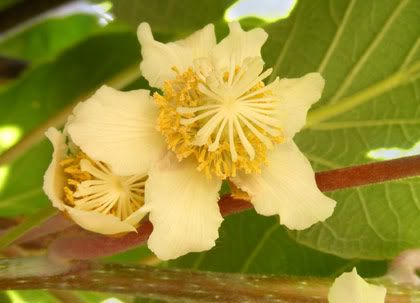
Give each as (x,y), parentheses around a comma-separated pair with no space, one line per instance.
(178,285)
(370,173)
(79,244)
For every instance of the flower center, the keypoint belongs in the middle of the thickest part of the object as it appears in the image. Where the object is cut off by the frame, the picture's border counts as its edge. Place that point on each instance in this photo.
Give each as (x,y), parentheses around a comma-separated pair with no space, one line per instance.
(226,119)
(91,186)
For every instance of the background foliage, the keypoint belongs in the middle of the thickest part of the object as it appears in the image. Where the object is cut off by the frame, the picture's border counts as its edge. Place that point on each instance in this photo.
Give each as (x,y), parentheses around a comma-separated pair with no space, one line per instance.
(368,53)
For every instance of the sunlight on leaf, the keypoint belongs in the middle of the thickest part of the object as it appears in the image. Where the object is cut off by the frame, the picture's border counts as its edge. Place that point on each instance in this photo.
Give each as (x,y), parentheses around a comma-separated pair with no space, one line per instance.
(267,10)
(15,297)
(9,135)
(4,173)
(393,153)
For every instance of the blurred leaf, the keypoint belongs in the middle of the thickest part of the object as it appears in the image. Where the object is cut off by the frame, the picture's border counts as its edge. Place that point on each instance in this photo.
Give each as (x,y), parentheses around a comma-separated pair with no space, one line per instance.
(170,16)
(49,37)
(4,297)
(23,296)
(43,92)
(6,3)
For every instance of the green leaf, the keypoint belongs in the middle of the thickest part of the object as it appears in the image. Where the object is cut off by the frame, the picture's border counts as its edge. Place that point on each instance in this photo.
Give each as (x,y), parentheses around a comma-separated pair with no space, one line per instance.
(41,94)
(371,100)
(6,3)
(250,243)
(49,37)
(170,16)
(24,296)
(370,57)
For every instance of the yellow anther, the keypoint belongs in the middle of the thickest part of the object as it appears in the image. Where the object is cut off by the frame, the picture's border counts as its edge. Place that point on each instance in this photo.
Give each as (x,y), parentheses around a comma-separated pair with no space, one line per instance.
(107,193)
(71,168)
(185,109)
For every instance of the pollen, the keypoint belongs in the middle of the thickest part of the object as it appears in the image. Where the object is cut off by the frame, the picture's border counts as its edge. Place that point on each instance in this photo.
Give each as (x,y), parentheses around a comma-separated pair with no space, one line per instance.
(91,186)
(226,119)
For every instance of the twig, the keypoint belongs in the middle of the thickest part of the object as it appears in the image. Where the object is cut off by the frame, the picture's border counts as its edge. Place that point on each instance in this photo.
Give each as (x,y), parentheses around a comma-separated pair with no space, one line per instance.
(370,173)
(79,244)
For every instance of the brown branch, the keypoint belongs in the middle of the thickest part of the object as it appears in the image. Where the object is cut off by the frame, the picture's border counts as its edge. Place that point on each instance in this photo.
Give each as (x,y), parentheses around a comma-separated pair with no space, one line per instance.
(178,285)
(370,173)
(79,244)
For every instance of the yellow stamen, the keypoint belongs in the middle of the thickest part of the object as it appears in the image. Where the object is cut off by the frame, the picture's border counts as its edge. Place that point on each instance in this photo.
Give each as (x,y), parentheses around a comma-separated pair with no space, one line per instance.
(91,186)
(226,126)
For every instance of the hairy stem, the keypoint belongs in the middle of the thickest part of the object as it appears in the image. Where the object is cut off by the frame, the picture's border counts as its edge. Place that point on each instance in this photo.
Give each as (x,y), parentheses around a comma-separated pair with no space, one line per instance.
(181,286)
(79,244)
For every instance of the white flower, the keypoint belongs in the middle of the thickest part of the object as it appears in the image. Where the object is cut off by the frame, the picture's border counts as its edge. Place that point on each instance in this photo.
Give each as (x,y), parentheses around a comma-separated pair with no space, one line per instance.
(351,288)
(214,119)
(90,193)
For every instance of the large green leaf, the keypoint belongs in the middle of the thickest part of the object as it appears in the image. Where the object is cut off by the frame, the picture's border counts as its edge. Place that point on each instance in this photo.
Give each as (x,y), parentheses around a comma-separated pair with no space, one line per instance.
(369,55)
(42,93)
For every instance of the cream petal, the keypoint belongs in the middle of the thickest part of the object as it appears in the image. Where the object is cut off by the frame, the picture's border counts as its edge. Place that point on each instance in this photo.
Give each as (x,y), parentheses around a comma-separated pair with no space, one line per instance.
(100,223)
(238,46)
(136,216)
(200,42)
(54,176)
(351,288)
(296,97)
(159,59)
(287,187)
(118,128)
(183,209)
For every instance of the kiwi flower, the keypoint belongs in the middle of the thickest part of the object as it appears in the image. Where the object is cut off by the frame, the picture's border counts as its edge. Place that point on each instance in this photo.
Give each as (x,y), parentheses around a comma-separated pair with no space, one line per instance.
(89,192)
(214,118)
(351,288)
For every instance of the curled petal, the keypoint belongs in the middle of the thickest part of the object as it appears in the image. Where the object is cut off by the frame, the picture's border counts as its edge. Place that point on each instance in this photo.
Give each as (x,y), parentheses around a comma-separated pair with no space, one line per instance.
(183,209)
(54,176)
(287,187)
(351,288)
(103,223)
(118,128)
(296,97)
(238,46)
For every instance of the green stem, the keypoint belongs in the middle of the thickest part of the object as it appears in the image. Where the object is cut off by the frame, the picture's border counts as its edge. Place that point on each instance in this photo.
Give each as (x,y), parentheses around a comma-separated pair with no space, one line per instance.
(31,222)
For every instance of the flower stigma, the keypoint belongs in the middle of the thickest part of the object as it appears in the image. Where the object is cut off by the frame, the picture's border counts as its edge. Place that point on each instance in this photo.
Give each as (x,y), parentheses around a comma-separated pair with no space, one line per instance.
(226,118)
(91,186)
